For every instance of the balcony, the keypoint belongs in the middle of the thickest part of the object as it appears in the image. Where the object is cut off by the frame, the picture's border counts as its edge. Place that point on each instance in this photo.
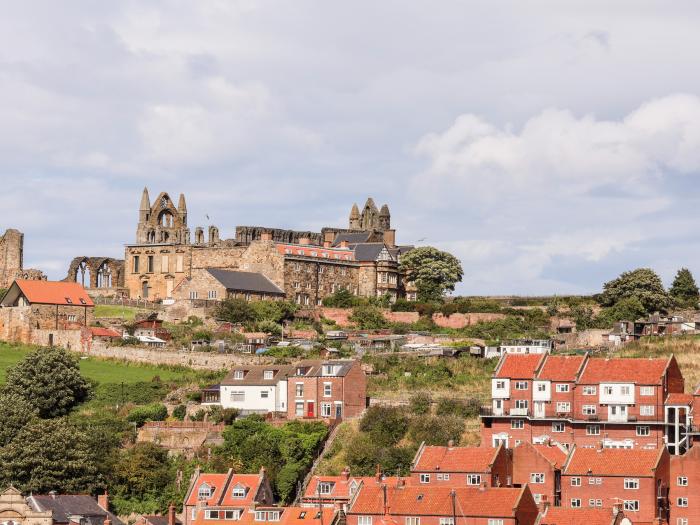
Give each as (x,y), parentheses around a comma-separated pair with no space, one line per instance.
(519,412)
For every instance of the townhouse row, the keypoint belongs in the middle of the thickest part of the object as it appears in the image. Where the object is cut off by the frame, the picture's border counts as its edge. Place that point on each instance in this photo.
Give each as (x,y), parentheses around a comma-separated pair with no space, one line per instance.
(590,402)
(325,389)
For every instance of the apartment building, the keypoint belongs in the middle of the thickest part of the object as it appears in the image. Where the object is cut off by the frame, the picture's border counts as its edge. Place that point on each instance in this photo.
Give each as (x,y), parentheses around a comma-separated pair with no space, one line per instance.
(636,479)
(461,466)
(581,516)
(590,402)
(684,487)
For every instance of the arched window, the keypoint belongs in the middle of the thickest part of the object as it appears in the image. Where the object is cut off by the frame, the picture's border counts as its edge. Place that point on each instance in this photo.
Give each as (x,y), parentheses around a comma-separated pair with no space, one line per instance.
(104,276)
(166,219)
(82,274)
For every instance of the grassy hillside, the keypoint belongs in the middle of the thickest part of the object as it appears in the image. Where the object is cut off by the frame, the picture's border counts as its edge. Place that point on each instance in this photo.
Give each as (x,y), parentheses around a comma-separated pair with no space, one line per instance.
(128,313)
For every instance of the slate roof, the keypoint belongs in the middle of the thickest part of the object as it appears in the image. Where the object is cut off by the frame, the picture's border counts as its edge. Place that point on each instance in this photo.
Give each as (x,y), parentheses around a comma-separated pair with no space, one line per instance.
(64,506)
(315,367)
(352,238)
(50,292)
(245,281)
(368,251)
(255,375)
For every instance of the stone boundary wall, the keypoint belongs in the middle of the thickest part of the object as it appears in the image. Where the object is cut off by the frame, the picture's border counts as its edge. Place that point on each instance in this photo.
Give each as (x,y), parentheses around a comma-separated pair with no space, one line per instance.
(462,320)
(197,360)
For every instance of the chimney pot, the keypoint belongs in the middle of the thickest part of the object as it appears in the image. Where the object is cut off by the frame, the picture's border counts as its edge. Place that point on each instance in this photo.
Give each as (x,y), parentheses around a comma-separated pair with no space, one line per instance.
(103,500)
(171,514)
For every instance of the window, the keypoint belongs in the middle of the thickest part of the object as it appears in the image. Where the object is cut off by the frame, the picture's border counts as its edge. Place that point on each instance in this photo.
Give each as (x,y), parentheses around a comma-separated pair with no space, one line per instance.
(204,492)
(260,515)
(299,408)
(500,384)
(646,410)
(425,478)
(561,387)
(325,410)
(595,502)
(521,385)
(232,514)
(589,390)
(589,410)
(443,477)
(537,477)
(69,300)
(517,424)
(595,481)
(237,396)
(136,264)
(592,430)
(493,521)
(558,427)
(150,264)
(211,294)
(447,521)
(268,374)
(631,505)
(681,521)
(325,487)
(71,318)
(164,267)
(682,481)
(300,390)
(238,491)
(273,515)
(238,374)
(646,390)
(643,430)
(631,484)
(521,403)
(575,503)
(193,294)
(211,514)
(541,387)
(608,390)
(625,390)
(473,479)
(563,406)
(682,502)
(575,482)
(178,264)
(264,394)
(364,520)
(327,389)
(412,520)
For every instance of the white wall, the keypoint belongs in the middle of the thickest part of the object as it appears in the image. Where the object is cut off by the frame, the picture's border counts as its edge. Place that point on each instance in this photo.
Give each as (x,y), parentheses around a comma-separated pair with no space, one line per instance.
(276,400)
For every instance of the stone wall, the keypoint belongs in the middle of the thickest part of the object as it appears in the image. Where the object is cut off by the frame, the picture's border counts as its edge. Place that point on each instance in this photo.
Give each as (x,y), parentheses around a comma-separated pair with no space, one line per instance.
(402,317)
(37,324)
(263,257)
(77,340)
(12,260)
(308,281)
(462,320)
(163,267)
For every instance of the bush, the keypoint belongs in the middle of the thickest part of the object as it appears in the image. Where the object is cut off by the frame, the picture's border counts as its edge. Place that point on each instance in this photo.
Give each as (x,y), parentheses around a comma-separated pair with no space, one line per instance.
(223,415)
(457,407)
(386,425)
(341,299)
(420,403)
(179,412)
(199,415)
(436,430)
(402,305)
(368,317)
(153,412)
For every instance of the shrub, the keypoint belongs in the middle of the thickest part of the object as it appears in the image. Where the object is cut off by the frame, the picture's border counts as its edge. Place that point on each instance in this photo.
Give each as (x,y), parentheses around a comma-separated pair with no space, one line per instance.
(457,407)
(368,317)
(386,425)
(152,412)
(420,403)
(402,305)
(179,412)
(436,430)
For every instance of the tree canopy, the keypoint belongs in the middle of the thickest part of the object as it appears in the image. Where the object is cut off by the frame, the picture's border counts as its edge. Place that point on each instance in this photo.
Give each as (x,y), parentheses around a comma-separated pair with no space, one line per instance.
(434,272)
(684,289)
(643,284)
(48,379)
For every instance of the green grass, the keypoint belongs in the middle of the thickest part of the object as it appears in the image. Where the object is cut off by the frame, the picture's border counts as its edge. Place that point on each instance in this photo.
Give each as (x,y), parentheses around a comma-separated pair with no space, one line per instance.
(128,313)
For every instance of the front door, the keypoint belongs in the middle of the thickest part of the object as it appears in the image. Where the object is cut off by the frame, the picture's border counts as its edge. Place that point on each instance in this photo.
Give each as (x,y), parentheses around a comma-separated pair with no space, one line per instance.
(539,408)
(144,290)
(338,411)
(310,409)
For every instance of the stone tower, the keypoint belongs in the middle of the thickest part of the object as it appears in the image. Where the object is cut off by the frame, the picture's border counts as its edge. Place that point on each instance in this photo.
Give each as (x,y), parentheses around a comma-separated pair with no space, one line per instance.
(354,218)
(370,216)
(384,222)
(162,222)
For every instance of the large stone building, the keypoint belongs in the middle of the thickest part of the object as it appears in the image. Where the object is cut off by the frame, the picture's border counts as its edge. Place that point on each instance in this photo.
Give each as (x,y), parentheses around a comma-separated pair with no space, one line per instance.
(166,262)
(12,259)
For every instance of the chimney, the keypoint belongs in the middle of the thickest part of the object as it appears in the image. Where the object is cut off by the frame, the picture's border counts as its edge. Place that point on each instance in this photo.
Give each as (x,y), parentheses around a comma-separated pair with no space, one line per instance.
(616,509)
(451,443)
(107,520)
(103,500)
(265,236)
(53,494)
(345,474)
(326,244)
(344,244)
(171,514)
(378,473)
(304,241)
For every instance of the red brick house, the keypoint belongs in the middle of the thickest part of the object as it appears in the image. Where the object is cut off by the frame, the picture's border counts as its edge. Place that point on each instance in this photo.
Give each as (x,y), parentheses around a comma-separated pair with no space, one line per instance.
(333,389)
(684,485)
(638,479)
(461,466)
(569,516)
(402,504)
(540,466)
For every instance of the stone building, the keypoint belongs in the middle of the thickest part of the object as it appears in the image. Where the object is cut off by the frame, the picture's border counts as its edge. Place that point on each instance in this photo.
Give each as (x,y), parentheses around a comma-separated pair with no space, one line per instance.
(165,263)
(12,259)
(99,275)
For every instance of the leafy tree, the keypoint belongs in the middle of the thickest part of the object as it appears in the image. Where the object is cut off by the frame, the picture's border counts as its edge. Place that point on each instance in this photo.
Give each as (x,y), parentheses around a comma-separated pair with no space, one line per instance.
(368,317)
(387,425)
(363,454)
(152,412)
(434,272)
(342,298)
(235,311)
(179,412)
(15,414)
(583,316)
(628,309)
(50,380)
(642,283)
(49,455)
(436,430)
(448,406)
(684,289)
(274,311)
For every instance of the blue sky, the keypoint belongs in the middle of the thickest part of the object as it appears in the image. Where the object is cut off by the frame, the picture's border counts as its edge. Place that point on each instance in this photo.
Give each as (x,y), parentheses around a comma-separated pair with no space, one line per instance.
(549,145)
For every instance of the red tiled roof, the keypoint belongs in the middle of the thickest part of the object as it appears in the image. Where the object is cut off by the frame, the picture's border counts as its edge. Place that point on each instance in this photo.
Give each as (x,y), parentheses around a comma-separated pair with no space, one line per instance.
(437,501)
(304,516)
(623,370)
(519,366)
(561,368)
(216,481)
(223,487)
(341,490)
(580,516)
(552,453)
(455,459)
(613,462)
(679,399)
(54,292)
(98,331)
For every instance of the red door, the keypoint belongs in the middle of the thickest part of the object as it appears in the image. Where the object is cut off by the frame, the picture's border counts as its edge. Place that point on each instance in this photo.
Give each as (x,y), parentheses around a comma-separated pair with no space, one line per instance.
(310,409)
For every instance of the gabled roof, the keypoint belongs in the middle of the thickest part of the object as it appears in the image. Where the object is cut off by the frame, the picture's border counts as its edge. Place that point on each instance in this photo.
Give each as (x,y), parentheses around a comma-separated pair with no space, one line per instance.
(519,366)
(255,375)
(554,454)
(437,501)
(342,485)
(580,516)
(223,485)
(153,519)
(561,368)
(454,459)
(315,367)
(613,462)
(369,251)
(675,398)
(245,281)
(64,506)
(624,370)
(98,331)
(47,292)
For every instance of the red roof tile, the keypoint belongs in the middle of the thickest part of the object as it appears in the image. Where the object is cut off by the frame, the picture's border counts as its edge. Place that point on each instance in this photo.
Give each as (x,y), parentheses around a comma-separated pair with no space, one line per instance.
(624,370)
(519,366)
(679,399)
(223,489)
(552,453)
(613,462)
(98,331)
(455,459)
(54,292)
(437,501)
(561,368)
(581,516)
(341,490)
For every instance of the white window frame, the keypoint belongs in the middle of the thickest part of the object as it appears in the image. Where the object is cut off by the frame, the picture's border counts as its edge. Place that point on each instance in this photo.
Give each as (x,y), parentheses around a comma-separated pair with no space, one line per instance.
(682,481)
(682,502)
(646,410)
(589,410)
(631,505)
(576,481)
(364,520)
(575,503)
(562,387)
(520,385)
(473,479)
(517,424)
(412,520)
(589,390)
(646,390)
(563,406)
(425,478)
(631,483)
(268,374)
(537,477)
(557,425)
(593,430)
(327,389)
(643,430)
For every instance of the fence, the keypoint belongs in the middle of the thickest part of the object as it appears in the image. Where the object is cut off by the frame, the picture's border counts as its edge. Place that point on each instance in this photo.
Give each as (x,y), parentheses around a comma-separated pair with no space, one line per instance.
(121,301)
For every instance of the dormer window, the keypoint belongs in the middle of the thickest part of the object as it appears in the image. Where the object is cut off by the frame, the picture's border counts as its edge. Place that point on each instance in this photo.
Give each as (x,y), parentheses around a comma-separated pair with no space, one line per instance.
(268,374)
(83,301)
(238,491)
(205,492)
(325,487)
(238,374)
(69,300)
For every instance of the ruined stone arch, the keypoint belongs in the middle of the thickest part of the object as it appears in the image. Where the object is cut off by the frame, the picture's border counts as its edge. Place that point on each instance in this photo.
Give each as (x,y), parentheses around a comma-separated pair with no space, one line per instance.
(96,272)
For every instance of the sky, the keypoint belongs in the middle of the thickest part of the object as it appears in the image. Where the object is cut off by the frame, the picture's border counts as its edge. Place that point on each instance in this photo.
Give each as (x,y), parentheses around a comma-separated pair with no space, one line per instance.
(548,145)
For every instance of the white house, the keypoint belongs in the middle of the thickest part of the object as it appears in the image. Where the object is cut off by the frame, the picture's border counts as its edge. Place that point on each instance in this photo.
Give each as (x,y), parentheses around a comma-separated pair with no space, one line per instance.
(256,389)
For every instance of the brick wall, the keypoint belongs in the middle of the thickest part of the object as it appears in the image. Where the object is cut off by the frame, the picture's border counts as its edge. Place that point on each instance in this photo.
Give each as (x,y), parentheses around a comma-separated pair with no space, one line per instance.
(527,461)
(462,320)
(686,466)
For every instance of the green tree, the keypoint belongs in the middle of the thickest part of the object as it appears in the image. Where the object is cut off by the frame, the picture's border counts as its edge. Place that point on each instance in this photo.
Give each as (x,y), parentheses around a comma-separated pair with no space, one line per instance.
(342,298)
(629,309)
(50,454)
(274,311)
(368,317)
(684,289)
(420,403)
(152,412)
(434,272)
(15,414)
(436,430)
(386,424)
(50,380)
(642,283)
(235,311)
